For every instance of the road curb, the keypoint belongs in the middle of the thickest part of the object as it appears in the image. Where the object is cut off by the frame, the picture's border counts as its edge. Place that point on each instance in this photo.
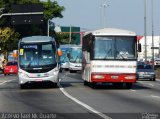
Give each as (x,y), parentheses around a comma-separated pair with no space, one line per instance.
(158,80)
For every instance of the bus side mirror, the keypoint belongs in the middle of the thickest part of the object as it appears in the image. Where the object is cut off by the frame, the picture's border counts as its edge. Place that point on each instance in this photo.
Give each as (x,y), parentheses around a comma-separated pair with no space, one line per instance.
(59,52)
(139,47)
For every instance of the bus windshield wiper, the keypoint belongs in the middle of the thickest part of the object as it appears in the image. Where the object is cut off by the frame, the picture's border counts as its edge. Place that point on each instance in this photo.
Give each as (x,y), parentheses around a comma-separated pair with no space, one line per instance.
(63,59)
(123,57)
(76,59)
(29,64)
(107,52)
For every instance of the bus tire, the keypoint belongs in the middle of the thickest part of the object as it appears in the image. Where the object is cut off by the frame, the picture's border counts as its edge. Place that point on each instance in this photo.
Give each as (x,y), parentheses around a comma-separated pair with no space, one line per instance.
(55,85)
(72,71)
(118,85)
(93,84)
(154,79)
(85,83)
(22,86)
(129,85)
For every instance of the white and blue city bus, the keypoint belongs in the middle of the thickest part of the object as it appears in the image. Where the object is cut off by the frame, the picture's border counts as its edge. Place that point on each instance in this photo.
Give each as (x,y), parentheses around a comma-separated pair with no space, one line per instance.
(75,58)
(64,60)
(38,60)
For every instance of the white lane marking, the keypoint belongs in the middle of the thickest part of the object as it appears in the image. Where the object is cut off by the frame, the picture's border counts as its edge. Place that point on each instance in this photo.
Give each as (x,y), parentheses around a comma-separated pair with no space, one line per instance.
(155,96)
(133,90)
(6,81)
(151,84)
(82,104)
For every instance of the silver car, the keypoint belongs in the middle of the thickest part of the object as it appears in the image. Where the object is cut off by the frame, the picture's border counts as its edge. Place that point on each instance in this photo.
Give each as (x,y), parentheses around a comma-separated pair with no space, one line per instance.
(146,71)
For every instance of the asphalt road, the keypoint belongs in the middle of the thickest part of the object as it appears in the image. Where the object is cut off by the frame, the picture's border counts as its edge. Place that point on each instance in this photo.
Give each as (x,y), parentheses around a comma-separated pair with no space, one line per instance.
(74,100)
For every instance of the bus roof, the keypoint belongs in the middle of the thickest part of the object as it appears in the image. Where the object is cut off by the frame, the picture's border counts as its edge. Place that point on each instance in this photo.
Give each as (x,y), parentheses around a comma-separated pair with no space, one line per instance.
(31,39)
(65,45)
(111,32)
(69,45)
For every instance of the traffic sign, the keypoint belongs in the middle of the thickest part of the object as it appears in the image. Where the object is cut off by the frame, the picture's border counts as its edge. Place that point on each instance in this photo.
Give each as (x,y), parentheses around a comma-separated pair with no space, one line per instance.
(154,47)
(27,14)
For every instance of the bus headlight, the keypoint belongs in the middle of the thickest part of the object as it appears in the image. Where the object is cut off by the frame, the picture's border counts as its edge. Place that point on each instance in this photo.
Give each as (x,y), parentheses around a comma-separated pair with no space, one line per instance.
(23,74)
(72,65)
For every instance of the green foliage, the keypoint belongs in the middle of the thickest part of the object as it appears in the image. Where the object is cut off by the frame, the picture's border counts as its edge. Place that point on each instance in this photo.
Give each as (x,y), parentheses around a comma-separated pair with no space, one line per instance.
(51,9)
(8,39)
(63,38)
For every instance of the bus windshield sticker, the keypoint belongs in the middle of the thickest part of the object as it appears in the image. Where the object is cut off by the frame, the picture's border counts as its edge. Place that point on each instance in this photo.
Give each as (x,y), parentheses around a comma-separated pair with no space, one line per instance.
(21,52)
(30,46)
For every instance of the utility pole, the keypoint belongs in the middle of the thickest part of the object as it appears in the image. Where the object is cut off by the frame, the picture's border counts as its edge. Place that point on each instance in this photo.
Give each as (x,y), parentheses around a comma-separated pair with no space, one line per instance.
(70,33)
(48,27)
(104,6)
(104,14)
(145,32)
(152,34)
(159,48)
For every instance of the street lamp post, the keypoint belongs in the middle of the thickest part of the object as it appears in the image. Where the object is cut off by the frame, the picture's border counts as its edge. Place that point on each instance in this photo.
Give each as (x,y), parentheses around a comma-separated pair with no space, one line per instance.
(48,27)
(103,6)
(145,32)
(152,35)
(70,33)
(104,14)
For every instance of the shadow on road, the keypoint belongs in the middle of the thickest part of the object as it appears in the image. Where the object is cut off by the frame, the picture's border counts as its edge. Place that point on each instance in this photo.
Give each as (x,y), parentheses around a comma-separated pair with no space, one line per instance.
(99,86)
(112,87)
(11,86)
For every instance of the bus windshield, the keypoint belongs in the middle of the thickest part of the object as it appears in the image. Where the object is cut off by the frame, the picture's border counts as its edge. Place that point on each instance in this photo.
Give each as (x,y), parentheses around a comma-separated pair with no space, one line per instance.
(118,47)
(64,57)
(37,55)
(75,55)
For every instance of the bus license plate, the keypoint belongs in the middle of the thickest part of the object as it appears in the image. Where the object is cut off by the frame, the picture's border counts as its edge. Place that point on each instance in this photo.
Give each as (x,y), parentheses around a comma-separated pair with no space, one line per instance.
(39,80)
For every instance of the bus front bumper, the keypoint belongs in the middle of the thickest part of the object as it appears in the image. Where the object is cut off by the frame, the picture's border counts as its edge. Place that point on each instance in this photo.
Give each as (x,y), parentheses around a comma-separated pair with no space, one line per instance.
(126,78)
(25,79)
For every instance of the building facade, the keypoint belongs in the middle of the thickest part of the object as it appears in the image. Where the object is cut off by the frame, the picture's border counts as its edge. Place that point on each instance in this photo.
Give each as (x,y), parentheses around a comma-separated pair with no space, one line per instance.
(141,55)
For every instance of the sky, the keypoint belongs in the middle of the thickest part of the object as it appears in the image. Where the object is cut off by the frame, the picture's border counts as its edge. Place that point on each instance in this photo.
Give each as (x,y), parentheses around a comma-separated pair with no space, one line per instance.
(124,14)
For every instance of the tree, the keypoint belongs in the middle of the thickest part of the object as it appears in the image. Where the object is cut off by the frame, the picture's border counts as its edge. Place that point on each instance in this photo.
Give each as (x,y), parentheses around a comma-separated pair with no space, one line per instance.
(51,10)
(8,39)
(63,38)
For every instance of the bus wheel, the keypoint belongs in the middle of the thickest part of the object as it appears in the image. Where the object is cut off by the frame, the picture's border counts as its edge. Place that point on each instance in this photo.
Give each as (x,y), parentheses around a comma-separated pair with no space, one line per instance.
(22,86)
(93,84)
(55,85)
(128,85)
(154,79)
(72,71)
(60,70)
(118,85)
(85,83)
